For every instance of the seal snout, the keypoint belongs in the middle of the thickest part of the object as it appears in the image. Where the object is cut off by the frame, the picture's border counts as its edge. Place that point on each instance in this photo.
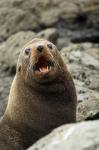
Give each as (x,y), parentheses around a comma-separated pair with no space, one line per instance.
(40,48)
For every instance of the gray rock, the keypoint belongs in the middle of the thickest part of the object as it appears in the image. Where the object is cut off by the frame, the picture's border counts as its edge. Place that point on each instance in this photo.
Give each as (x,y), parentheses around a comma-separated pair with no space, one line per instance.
(76,19)
(5,83)
(88,104)
(13,20)
(50,34)
(9,50)
(85,59)
(63,42)
(83,65)
(81,136)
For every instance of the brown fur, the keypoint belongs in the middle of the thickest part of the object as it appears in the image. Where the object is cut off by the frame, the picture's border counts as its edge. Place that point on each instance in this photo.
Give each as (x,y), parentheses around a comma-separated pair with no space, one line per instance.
(37,103)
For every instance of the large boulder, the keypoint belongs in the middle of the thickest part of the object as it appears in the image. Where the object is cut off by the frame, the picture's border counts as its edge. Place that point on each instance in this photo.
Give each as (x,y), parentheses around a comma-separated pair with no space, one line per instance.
(83,62)
(76,19)
(82,136)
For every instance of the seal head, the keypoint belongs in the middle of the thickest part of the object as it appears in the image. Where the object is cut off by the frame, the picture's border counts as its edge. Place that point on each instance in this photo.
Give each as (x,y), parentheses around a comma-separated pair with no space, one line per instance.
(41,62)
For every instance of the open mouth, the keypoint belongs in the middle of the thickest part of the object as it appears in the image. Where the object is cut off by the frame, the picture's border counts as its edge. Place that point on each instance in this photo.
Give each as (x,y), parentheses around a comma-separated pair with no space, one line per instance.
(43,65)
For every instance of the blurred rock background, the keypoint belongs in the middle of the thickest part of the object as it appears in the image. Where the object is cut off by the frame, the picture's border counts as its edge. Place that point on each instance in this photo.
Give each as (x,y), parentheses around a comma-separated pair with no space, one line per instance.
(73,25)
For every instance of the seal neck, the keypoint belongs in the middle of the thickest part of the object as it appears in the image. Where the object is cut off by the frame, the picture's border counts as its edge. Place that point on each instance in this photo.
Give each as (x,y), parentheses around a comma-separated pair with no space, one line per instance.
(23,100)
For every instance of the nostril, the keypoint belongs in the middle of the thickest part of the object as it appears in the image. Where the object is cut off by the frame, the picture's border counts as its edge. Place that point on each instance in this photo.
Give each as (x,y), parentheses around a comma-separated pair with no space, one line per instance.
(40,48)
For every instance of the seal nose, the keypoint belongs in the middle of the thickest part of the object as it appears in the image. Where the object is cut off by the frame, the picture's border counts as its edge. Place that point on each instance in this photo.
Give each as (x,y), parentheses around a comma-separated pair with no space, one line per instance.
(40,48)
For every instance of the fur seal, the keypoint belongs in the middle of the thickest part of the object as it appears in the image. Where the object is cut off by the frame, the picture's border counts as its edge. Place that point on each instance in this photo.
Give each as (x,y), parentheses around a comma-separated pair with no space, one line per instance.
(42,96)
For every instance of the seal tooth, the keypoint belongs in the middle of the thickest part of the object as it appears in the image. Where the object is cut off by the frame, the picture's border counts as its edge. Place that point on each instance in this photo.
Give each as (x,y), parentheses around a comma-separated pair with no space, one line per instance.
(47,68)
(44,69)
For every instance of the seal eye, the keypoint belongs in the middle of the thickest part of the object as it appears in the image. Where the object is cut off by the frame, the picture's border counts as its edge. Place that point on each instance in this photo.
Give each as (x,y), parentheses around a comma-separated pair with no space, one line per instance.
(27,51)
(49,46)
(19,69)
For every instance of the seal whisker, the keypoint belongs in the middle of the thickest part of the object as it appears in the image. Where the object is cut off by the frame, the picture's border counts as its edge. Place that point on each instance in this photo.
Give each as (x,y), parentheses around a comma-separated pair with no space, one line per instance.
(56,63)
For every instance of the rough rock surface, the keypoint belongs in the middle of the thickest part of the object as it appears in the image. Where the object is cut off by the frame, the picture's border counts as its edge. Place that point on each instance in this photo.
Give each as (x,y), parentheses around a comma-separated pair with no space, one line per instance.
(5,83)
(83,62)
(76,19)
(82,136)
